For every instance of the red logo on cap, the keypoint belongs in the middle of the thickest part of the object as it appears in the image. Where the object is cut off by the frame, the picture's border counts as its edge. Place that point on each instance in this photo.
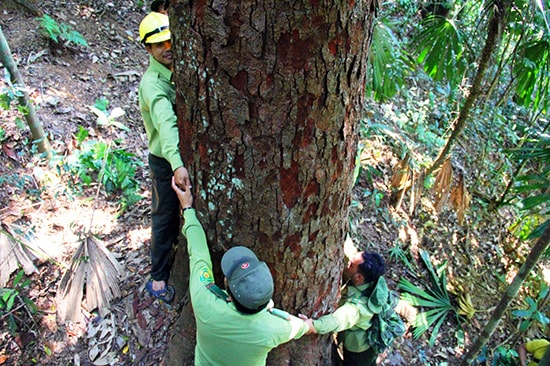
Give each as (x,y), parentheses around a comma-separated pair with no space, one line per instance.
(245,265)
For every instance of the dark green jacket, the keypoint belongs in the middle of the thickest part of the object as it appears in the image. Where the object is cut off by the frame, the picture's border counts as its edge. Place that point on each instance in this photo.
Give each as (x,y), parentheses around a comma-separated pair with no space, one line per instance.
(354,315)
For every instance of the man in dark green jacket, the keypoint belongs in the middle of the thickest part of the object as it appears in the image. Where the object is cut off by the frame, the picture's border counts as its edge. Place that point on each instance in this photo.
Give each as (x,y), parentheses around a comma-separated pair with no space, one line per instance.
(157,103)
(367,292)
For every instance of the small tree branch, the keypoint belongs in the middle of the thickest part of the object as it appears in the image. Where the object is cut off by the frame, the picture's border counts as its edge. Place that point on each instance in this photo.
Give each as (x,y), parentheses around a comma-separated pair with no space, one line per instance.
(37,132)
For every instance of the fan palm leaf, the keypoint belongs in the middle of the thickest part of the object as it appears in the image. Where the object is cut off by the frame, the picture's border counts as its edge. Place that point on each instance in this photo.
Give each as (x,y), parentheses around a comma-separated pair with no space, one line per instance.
(440,48)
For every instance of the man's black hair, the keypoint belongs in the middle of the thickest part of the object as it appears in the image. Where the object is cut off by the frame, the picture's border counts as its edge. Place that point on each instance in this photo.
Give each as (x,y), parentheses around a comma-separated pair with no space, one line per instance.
(243,309)
(155,5)
(373,266)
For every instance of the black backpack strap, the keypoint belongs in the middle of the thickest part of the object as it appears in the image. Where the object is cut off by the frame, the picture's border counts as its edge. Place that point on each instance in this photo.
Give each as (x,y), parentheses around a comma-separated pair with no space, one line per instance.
(218,292)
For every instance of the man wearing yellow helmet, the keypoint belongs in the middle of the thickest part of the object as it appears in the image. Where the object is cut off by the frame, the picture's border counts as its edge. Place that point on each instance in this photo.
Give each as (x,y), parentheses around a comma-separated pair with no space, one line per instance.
(157,97)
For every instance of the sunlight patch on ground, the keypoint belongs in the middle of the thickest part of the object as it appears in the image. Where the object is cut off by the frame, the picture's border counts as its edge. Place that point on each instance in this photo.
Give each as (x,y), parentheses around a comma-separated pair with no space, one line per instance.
(69,224)
(137,237)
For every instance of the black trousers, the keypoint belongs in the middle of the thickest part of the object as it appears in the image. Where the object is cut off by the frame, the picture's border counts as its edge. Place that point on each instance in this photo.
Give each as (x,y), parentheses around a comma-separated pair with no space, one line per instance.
(165,218)
(366,358)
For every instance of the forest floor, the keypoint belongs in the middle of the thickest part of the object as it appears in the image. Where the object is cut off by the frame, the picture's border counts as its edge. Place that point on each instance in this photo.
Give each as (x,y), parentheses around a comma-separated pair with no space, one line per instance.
(64,81)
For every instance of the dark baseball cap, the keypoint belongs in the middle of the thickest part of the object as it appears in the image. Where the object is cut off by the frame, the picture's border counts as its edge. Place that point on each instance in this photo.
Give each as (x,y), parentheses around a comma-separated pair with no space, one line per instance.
(249,279)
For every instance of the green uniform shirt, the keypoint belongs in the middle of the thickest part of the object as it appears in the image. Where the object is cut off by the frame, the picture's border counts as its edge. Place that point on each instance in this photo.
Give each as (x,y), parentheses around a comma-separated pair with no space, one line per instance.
(224,335)
(354,315)
(157,96)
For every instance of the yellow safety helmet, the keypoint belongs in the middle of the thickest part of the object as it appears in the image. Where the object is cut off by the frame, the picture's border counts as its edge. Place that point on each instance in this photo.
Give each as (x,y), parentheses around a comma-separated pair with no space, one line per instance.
(154,28)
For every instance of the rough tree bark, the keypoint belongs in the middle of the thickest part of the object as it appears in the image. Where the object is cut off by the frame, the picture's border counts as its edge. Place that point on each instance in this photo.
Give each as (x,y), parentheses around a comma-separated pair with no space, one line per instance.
(269,96)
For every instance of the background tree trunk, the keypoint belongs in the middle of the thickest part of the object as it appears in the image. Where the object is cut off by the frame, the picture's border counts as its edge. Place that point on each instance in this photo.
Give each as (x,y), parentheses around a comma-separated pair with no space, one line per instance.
(269,96)
(497,22)
(532,259)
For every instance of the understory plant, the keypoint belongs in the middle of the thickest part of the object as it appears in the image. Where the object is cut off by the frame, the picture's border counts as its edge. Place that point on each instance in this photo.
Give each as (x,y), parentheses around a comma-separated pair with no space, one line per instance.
(434,299)
(533,317)
(60,32)
(115,168)
(15,307)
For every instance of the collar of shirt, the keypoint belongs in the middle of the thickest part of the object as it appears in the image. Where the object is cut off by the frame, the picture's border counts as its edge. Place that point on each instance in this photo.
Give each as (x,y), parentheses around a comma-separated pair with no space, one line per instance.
(156,66)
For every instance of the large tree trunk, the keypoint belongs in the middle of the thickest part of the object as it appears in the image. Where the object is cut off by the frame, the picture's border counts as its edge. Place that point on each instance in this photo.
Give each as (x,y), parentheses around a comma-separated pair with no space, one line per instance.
(270,95)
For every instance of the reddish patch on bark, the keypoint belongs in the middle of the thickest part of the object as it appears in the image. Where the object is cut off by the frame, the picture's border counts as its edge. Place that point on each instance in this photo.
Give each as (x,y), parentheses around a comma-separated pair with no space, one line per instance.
(351,3)
(269,80)
(232,129)
(293,51)
(201,5)
(317,21)
(311,210)
(333,45)
(304,136)
(293,242)
(203,152)
(238,164)
(240,81)
(312,188)
(313,236)
(290,185)
(319,304)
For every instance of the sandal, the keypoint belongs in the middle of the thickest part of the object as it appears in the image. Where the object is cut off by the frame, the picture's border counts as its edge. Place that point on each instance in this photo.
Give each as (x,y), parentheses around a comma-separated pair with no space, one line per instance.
(166,294)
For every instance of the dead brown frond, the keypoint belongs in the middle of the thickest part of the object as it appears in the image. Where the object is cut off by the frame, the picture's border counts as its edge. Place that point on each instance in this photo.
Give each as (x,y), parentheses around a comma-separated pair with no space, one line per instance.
(94,266)
(18,246)
(442,185)
(13,254)
(417,184)
(401,174)
(400,180)
(460,199)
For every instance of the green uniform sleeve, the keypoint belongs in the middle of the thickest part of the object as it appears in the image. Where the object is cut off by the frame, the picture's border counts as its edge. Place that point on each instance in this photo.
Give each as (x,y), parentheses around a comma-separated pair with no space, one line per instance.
(299,327)
(345,317)
(200,264)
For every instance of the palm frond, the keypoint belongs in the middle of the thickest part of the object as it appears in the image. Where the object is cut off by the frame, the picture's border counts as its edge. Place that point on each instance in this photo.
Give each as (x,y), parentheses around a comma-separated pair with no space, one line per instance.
(96,268)
(388,63)
(531,72)
(436,298)
(439,46)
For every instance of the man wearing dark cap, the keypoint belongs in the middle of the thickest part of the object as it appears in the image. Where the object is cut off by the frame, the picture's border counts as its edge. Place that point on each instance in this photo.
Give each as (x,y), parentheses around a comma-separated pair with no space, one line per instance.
(367,292)
(240,326)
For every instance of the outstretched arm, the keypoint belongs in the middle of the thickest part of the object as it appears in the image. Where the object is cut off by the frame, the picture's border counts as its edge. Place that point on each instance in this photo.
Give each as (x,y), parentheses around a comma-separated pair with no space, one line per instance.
(200,264)
(183,192)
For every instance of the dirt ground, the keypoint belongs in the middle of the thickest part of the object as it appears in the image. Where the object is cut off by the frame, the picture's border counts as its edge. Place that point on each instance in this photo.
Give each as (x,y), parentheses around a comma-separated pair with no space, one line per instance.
(64,81)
